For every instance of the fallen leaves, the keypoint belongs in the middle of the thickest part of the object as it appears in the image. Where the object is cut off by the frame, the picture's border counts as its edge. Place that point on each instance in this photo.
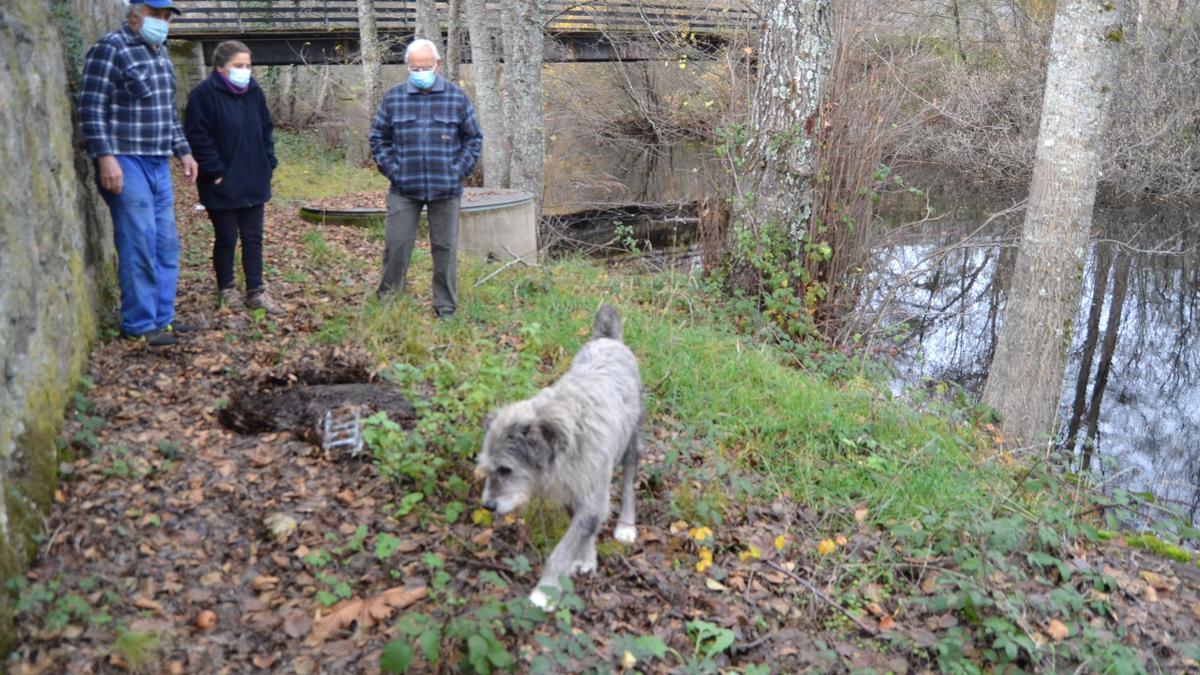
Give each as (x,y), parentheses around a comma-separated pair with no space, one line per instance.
(363,613)
(1057,630)
(281,526)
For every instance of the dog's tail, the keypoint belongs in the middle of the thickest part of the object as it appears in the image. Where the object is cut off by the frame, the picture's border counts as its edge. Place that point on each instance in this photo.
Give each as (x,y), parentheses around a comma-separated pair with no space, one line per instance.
(608,323)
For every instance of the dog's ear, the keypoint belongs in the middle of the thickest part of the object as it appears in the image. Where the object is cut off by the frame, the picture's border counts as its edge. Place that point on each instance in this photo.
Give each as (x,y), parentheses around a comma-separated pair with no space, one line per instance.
(549,435)
(487,421)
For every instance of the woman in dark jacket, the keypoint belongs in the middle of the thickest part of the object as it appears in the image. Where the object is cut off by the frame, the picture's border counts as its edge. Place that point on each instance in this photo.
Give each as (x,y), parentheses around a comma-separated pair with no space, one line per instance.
(229,128)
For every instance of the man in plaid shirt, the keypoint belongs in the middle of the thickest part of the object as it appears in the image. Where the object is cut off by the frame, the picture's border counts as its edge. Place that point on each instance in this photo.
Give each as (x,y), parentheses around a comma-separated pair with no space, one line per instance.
(131,128)
(426,140)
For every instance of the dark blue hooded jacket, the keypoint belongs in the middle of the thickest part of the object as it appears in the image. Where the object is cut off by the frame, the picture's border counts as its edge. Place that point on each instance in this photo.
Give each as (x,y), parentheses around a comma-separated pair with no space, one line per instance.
(232,138)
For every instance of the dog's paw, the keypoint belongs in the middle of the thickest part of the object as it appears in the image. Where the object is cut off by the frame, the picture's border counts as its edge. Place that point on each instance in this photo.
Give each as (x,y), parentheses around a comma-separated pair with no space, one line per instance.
(626,534)
(541,600)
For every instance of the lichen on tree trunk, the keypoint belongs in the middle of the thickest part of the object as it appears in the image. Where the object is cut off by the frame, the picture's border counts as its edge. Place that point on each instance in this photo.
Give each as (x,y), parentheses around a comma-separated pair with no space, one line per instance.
(523,96)
(1026,376)
(484,62)
(794,55)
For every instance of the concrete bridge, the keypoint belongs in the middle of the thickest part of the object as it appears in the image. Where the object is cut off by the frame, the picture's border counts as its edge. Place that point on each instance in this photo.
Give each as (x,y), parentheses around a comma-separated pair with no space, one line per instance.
(285,32)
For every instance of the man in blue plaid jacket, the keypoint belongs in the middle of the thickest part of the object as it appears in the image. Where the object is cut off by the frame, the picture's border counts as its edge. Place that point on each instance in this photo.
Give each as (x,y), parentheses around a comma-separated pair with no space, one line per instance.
(426,140)
(131,128)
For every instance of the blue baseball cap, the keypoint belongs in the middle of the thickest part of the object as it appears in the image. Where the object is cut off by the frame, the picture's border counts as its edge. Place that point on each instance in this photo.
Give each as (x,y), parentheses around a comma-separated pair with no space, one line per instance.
(158,4)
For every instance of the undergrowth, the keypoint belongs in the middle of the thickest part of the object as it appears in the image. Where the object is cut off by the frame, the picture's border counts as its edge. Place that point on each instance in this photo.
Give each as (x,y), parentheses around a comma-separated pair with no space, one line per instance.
(733,406)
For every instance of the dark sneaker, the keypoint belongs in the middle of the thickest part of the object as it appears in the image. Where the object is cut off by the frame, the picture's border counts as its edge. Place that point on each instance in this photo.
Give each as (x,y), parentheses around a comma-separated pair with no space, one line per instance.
(181,328)
(444,313)
(155,338)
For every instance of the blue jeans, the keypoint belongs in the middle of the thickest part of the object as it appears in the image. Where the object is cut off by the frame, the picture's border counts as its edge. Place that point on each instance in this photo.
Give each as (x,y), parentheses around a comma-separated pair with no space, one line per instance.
(147,243)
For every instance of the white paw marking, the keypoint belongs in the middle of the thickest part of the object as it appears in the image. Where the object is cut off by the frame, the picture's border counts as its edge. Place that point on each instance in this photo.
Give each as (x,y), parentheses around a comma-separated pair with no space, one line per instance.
(542,600)
(584,567)
(626,534)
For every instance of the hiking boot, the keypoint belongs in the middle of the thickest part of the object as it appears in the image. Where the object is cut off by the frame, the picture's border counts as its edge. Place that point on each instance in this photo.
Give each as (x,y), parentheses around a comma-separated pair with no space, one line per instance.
(155,338)
(231,298)
(258,299)
(181,328)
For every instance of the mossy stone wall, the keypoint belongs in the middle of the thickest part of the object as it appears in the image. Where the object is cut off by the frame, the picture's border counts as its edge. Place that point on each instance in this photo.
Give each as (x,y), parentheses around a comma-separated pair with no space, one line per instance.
(56,261)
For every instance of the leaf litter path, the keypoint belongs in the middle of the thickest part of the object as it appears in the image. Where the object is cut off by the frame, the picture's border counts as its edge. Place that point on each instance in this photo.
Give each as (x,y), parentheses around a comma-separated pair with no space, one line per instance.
(177,546)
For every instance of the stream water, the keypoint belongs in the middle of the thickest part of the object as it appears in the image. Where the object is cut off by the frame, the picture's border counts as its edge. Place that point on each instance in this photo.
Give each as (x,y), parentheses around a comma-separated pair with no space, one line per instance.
(938,292)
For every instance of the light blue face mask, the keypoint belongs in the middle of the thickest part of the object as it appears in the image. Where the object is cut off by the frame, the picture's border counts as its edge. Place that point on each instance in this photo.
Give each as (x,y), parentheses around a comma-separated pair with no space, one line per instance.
(422,79)
(153,31)
(240,76)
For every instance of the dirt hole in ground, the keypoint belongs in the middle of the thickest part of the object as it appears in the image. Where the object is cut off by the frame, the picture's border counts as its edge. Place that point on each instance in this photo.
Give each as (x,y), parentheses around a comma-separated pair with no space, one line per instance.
(297,401)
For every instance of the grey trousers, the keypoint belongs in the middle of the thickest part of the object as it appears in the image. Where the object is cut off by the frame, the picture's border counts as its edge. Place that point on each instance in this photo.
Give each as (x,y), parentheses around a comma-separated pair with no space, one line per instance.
(400,236)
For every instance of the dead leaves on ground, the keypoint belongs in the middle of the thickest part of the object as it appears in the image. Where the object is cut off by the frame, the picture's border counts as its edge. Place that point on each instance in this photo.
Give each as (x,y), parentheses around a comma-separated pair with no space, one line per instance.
(363,613)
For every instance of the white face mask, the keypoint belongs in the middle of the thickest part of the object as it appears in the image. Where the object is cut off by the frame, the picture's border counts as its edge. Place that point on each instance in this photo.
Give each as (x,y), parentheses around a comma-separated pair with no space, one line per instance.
(239,76)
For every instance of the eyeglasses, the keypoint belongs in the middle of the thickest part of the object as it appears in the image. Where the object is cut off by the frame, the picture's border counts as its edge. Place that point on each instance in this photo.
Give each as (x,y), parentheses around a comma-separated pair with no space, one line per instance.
(421,70)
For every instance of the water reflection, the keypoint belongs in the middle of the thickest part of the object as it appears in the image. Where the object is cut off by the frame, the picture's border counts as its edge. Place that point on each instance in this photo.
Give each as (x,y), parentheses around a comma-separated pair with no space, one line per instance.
(1129,406)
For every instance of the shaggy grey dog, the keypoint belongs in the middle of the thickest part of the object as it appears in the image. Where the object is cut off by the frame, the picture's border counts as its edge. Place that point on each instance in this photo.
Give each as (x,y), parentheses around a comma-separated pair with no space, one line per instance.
(563,444)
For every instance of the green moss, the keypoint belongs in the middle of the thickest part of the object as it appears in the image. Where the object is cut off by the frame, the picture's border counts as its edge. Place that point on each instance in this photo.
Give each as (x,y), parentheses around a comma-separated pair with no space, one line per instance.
(1157,546)
(1116,35)
(28,493)
(29,490)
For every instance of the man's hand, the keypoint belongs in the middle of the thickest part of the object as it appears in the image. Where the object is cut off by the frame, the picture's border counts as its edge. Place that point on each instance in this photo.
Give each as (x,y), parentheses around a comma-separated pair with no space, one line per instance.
(190,168)
(112,178)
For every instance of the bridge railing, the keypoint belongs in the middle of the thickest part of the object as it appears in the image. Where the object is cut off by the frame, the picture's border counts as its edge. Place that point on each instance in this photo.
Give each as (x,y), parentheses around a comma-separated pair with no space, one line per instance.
(258,16)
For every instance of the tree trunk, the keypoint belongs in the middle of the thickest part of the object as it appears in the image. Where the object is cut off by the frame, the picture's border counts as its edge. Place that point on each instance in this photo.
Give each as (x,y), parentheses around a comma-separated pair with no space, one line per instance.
(522,24)
(1090,339)
(487,94)
(1026,376)
(287,97)
(454,18)
(428,26)
(794,54)
(1112,331)
(318,108)
(372,59)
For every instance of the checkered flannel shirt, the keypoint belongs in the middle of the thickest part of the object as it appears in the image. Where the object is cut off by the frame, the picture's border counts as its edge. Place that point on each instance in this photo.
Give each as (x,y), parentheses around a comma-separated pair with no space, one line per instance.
(127,101)
(426,142)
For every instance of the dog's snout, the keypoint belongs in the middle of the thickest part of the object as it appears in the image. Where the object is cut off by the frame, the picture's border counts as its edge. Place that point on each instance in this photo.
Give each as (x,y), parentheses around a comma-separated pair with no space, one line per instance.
(490,505)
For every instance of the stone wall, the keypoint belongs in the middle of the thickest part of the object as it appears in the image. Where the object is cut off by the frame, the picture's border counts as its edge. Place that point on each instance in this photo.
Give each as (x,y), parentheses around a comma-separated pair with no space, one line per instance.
(56,263)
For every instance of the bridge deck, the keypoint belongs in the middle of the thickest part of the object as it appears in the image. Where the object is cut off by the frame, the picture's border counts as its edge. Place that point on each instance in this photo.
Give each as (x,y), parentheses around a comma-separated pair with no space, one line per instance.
(255,16)
(282,32)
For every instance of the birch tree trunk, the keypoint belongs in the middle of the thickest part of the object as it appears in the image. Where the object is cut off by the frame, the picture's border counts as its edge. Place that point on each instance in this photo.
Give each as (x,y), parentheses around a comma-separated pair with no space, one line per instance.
(487,94)
(371,55)
(522,24)
(794,55)
(428,26)
(454,17)
(1026,376)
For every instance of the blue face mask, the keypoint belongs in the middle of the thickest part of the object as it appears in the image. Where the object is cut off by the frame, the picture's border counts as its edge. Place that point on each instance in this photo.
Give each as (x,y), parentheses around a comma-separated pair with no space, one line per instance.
(422,79)
(153,31)
(240,76)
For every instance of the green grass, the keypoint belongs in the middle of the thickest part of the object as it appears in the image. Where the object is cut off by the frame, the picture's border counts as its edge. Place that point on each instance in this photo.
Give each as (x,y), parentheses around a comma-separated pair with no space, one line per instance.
(742,416)
(831,444)
(309,171)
